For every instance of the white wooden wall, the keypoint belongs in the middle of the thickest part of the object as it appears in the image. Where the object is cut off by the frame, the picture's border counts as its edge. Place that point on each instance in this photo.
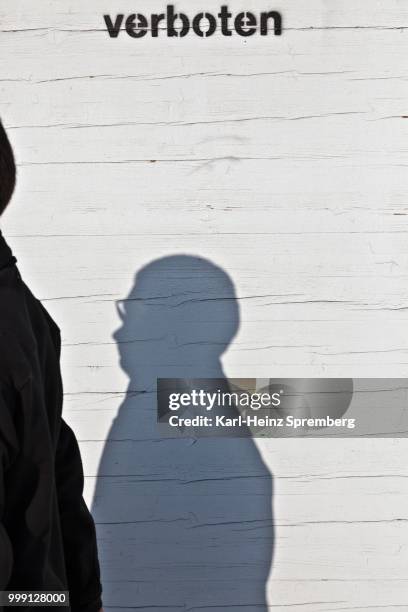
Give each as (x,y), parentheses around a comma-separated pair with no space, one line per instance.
(283,160)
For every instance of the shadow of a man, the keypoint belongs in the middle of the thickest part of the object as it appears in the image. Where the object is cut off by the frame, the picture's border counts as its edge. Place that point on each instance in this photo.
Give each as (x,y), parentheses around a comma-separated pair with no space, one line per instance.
(184,524)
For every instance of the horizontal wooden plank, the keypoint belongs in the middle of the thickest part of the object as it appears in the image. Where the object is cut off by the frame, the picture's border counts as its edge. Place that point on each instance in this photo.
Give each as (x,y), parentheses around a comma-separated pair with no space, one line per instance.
(308,595)
(349,461)
(289,140)
(346,13)
(190,92)
(200,198)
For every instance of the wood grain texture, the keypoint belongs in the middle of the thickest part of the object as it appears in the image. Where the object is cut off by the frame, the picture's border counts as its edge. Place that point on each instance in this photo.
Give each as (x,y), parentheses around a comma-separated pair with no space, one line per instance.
(282,160)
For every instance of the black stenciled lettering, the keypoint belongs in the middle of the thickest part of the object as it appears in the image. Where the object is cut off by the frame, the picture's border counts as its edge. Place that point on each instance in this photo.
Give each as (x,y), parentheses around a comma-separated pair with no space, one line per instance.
(113,28)
(139,29)
(204,24)
(277,22)
(225,15)
(171,21)
(212,24)
(156,19)
(245,24)
(186,25)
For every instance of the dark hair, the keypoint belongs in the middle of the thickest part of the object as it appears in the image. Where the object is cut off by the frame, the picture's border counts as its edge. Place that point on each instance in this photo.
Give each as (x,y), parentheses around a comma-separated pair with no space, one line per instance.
(7,170)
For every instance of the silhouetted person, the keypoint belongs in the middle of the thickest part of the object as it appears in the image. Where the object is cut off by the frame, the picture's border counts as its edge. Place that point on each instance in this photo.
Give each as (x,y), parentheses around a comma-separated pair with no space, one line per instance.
(185,523)
(47,535)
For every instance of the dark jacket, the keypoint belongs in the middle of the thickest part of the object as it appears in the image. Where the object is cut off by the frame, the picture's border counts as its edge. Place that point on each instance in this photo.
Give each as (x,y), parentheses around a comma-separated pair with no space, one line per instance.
(47,535)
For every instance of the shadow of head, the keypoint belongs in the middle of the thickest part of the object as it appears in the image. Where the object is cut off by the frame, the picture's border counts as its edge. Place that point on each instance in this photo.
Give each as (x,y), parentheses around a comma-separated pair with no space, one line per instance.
(178,319)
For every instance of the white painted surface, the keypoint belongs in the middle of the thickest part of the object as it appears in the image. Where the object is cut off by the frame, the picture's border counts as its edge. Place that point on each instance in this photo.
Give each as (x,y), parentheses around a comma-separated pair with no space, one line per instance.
(283,160)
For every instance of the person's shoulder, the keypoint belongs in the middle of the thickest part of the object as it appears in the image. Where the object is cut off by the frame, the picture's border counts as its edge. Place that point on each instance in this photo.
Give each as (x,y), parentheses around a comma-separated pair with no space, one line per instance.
(15,367)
